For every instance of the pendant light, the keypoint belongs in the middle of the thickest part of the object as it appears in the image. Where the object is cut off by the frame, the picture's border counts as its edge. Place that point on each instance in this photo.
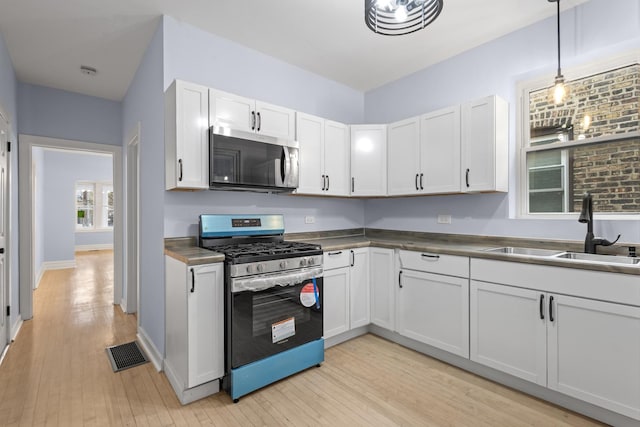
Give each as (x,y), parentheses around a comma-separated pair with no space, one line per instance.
(559,91)
(398,17)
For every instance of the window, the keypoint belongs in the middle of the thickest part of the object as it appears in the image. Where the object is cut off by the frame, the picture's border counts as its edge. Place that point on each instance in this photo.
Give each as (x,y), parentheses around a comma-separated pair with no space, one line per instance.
(590,143)
(94,206)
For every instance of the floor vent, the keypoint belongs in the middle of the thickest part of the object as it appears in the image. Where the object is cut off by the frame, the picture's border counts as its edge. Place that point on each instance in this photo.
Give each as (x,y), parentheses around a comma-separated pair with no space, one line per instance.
(125,356)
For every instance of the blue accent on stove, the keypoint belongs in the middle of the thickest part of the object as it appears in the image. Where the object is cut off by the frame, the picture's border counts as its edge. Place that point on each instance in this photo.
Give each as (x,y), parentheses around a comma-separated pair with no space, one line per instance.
(240,225)
(253,376)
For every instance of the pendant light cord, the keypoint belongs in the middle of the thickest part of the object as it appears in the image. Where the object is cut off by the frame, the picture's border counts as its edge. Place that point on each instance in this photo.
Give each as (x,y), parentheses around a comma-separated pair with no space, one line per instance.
(558,26)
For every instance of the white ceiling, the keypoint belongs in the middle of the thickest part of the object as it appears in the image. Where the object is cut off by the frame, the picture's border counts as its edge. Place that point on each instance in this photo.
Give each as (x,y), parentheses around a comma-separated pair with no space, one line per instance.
(49,40)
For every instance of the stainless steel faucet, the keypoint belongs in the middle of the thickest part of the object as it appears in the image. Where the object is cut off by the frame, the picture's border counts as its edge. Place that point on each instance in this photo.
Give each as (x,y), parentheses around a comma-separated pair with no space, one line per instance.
(586,216)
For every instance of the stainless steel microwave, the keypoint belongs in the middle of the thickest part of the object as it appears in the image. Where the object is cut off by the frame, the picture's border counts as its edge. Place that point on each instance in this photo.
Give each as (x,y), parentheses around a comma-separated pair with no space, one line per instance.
(248,161)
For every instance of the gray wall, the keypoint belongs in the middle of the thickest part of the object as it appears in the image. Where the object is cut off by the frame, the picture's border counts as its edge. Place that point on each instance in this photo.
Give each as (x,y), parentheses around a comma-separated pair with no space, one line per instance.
(144,103)
(60,114)
(594,30)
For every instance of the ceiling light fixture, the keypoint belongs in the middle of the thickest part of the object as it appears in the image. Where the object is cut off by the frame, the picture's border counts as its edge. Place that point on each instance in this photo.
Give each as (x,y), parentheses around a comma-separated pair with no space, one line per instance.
(398,17)
(560,90)
(90,71)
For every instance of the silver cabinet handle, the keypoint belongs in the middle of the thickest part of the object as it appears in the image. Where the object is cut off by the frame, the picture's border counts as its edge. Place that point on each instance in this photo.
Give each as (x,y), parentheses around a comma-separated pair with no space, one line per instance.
(334,253)
(430,257)
(353,258)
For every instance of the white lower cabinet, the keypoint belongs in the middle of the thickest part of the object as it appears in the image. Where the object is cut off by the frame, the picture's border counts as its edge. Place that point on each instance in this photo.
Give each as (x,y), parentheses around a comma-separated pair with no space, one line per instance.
(346,290)
(382,285)
(434,308)
(584,348)
(507,332)
(594,352)
(194,326)
(335,312)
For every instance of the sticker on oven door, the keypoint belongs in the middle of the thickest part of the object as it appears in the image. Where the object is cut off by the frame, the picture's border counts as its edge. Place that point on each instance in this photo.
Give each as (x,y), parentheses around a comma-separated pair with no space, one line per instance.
(308,295)
(283,329)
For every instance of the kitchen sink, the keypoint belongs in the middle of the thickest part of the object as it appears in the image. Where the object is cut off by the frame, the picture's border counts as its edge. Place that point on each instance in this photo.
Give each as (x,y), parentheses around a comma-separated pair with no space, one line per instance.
(524,251)
(606,259)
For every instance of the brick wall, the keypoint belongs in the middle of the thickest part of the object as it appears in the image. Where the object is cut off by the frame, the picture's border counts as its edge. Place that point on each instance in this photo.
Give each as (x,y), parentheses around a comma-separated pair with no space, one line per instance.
(610,170)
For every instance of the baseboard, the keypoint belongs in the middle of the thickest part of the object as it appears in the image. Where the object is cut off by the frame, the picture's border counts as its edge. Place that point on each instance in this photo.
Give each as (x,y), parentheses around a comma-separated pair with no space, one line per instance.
(58,265)
(345,336)
(95,247)
(38,278)
(150,349)
(15,328)
(186,396)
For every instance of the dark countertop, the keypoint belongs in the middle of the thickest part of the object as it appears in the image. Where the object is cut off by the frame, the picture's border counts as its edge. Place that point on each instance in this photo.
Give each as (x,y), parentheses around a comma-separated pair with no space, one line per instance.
(185,249)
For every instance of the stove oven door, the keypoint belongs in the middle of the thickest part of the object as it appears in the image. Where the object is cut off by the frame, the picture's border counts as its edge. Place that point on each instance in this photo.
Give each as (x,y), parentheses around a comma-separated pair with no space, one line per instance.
(271,313)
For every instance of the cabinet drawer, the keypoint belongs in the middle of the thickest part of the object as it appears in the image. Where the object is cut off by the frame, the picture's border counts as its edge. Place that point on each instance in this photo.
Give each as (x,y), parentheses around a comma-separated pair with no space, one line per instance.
(451,265)
(336,259)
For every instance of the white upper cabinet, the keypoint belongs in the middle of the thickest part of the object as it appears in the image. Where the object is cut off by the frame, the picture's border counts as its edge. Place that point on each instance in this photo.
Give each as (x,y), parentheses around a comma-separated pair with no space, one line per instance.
(440,151)
(245,114)
(336,158)
(403,157)
(485,145)
(186,136)
(324,156)
(424,154)
(368,160)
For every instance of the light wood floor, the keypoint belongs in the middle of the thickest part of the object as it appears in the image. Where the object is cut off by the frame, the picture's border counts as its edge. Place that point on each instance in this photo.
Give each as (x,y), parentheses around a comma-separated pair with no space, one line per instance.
(57,373)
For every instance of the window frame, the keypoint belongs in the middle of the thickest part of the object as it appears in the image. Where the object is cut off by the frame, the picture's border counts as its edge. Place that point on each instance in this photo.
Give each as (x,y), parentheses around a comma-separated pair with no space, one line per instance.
(98,206)
(523,147)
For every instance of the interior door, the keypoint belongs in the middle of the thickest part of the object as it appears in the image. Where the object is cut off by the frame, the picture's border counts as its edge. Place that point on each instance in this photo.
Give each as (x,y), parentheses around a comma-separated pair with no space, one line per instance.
(4,293)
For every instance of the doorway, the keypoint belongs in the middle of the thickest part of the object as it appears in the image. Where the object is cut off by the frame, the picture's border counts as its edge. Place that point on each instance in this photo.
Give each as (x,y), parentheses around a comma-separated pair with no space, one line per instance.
(28,213)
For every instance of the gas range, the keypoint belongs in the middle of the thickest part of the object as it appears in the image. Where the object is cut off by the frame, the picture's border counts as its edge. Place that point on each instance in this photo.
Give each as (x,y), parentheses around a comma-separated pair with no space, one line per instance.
(273,292)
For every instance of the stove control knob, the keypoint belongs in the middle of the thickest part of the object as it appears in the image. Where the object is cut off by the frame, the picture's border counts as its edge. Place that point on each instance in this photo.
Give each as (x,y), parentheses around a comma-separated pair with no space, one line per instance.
(260,267)
(303,262)
(283,264)
(311,261)
(250,269)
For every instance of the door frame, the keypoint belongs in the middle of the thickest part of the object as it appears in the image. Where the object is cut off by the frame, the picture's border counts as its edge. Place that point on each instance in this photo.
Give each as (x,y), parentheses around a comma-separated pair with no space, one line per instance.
(7,245)
(131,298)
(26,213)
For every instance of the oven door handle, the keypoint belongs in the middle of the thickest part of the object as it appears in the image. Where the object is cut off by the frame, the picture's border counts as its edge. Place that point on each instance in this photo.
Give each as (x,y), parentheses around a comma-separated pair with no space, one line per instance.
(267,281)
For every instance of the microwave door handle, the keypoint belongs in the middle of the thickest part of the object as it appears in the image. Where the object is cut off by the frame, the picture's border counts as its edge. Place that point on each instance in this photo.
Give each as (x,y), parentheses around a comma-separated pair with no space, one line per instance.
(285,166)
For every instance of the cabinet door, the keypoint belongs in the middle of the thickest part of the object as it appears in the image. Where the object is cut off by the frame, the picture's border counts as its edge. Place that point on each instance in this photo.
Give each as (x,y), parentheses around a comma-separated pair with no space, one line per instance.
(484,145)
(186,136)
(594,353)
(232,111)
(434,309)
(368,160)
(205,323)
(336,301)
(440,150)
(508,330)
(276,121)
(403,148)
(310,133)
(383,284)
(336,158)
(359,288)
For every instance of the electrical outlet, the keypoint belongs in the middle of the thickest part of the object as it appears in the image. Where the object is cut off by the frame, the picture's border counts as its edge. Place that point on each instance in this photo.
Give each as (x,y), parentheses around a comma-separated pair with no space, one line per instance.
(444,219)
(309,219)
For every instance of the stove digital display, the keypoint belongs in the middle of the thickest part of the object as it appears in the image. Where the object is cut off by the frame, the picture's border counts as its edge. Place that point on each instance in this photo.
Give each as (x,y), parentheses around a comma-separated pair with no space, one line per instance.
(247,222)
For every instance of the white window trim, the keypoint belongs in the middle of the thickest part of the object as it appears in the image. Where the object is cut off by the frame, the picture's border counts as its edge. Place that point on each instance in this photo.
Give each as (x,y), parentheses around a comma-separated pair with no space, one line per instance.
(523,88)
(97,208)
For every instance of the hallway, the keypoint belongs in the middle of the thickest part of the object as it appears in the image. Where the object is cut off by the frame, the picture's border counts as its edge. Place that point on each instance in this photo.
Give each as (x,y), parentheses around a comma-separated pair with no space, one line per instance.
(57,373)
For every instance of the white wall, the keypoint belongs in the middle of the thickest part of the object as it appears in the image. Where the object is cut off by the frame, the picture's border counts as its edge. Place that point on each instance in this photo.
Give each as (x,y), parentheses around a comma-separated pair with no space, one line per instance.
(594,30)
(38,207)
